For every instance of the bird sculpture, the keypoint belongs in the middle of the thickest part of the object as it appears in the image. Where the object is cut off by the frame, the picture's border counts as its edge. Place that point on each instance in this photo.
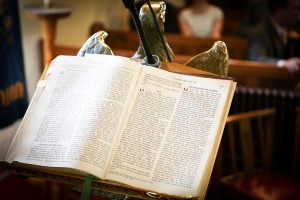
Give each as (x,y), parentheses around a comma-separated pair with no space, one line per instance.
(96,45)
(214,60)
(151,33)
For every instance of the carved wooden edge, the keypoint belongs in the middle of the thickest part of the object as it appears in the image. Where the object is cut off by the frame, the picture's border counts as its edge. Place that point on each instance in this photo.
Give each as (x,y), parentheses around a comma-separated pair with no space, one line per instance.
(78,182)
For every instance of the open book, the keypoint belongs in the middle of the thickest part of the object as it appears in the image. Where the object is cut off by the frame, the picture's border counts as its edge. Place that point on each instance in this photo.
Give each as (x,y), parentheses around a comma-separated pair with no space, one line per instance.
(121,121)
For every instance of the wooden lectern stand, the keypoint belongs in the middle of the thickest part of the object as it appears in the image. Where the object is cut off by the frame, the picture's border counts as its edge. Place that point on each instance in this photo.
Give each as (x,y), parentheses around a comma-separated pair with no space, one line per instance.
(49,17)
(77,181)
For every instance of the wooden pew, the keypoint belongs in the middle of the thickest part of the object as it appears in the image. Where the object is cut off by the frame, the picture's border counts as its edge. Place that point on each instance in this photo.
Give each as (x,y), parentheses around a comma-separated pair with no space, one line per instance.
(246,73)
(258,74)
(237,47)
(180,45)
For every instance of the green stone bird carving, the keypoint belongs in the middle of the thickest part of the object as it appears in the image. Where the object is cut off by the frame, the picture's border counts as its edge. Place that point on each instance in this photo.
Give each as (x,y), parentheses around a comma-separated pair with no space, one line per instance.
(214,60)
(151,34)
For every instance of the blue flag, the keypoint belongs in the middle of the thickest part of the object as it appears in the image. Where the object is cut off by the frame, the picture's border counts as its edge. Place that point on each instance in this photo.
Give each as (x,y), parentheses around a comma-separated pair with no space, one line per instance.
(13,94)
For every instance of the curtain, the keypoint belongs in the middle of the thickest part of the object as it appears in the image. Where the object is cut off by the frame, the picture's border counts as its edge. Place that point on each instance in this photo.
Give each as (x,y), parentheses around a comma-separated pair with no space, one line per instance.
(13,94)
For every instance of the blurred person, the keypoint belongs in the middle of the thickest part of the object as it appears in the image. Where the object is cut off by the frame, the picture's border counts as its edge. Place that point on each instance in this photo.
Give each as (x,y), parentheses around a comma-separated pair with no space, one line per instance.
(201,19)
(270,41)
(256,11)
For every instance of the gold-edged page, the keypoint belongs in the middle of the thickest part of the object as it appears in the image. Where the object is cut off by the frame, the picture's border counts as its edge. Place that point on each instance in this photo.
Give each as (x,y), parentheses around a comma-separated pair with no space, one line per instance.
(169,132)
(74,117)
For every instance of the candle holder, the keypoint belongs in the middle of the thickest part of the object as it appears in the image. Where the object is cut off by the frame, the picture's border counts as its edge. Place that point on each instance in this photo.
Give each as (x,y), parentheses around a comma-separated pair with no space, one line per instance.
(48,14)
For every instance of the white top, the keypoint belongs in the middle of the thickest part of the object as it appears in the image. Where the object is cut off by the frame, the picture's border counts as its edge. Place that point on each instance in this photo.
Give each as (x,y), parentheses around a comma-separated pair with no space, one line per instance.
(201,25)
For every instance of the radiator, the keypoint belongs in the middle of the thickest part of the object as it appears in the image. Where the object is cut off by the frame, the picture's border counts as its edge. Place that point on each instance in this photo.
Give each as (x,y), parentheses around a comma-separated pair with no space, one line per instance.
(285,102)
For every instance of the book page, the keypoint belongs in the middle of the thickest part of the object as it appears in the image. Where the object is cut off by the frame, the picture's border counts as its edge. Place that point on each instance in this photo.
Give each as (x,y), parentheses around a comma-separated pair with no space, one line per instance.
(73,121)
(168,136)
(211,160)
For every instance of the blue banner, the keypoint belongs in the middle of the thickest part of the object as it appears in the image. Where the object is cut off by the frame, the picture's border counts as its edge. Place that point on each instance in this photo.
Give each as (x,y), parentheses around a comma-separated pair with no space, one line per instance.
(13,94)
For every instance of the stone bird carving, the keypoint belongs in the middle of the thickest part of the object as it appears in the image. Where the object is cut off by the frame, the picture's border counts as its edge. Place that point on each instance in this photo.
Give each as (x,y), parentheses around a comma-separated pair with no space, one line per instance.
(214,60)
(96,45)
(151,34)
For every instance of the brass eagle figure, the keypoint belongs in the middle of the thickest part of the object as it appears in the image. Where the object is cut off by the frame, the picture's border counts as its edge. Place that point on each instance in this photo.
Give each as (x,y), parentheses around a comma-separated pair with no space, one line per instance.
(214,60)
(151,34)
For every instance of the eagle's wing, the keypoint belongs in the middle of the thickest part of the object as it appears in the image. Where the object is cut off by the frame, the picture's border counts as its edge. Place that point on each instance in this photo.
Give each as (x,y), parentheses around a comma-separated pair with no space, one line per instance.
(96,45)
(214,60)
